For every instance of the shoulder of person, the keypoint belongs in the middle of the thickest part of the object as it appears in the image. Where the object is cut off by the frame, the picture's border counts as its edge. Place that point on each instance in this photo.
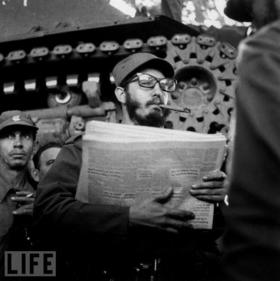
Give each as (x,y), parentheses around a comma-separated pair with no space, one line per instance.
(76,139)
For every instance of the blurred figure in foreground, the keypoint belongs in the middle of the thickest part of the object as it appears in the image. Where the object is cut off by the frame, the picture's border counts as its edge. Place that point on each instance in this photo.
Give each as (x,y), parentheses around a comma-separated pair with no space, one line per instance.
(252,241)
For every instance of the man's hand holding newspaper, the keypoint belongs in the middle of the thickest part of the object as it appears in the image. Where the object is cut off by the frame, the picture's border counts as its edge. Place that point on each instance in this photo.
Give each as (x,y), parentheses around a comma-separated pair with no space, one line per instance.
(152,212)
(211,189)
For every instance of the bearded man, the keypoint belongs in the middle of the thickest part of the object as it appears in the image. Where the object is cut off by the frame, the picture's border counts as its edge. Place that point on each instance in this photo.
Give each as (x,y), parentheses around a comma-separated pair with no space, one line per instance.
(143,83)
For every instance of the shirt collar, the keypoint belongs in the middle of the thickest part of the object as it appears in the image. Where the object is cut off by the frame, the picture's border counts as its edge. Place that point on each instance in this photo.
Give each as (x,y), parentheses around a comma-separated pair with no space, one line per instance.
(6,187)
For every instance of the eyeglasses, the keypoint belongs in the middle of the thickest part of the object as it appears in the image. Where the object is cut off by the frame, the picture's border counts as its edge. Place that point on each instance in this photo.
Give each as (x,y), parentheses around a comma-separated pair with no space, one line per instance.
(146,80)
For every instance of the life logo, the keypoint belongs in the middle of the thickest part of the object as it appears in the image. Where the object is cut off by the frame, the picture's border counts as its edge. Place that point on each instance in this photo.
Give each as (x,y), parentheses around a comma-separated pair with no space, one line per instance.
(30,263)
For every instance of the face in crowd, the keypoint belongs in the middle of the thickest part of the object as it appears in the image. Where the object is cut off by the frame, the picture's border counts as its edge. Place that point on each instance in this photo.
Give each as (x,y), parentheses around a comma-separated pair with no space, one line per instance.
(145,92)
(16,147)
(46,160)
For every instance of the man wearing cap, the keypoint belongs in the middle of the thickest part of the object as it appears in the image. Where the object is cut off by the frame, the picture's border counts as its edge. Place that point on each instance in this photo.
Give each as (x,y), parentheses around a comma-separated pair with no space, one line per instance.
(112,234)
(141,104)
(252,242)
(17,135)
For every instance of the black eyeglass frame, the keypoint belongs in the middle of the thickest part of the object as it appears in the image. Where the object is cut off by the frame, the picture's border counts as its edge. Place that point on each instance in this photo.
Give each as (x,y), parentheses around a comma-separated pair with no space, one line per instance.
(136,77)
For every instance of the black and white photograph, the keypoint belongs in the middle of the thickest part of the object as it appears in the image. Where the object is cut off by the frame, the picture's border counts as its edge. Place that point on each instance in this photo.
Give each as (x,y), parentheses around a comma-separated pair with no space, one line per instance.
(139,140)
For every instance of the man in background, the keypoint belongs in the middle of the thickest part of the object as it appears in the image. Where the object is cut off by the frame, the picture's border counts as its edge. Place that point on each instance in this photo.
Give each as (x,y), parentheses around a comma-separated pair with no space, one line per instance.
(17,135)
(252,241)
(45,155)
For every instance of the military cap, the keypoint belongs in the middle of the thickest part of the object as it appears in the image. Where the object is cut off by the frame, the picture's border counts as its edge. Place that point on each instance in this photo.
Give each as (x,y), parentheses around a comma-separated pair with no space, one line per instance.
(16,118)
(131,64)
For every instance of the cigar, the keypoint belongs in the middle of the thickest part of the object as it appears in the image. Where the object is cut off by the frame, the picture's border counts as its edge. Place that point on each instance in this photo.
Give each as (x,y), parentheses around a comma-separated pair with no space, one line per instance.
(29,195)
(175,108)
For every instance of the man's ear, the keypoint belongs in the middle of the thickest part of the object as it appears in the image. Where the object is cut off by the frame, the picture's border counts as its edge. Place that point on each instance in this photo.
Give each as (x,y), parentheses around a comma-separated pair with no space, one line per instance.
(120,94)
(35,174)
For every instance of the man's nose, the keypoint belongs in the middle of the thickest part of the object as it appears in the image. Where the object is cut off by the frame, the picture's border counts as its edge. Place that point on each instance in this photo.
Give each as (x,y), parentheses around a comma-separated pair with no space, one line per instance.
(17,140)
(160,93)
(157,90)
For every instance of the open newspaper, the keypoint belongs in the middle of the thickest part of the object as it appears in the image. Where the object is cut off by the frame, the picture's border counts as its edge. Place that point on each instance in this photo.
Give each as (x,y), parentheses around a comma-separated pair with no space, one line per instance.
(124,163)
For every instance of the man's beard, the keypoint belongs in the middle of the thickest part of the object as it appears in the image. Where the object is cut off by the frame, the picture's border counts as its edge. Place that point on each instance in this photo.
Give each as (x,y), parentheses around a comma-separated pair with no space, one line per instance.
(16,159)
(12,165)
(155,118)
(18,166)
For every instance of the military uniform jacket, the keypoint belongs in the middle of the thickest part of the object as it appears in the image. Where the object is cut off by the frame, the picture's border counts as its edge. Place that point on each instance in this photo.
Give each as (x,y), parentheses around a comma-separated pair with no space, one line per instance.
(13,230)
(81,230)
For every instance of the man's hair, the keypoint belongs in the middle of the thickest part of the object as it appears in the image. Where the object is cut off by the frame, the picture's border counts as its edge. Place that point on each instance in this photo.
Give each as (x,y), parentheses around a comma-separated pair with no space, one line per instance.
(239,10)
(260,12)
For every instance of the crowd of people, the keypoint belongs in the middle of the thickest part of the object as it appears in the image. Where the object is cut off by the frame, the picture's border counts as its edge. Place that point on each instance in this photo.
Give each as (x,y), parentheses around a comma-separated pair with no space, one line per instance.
(149,240)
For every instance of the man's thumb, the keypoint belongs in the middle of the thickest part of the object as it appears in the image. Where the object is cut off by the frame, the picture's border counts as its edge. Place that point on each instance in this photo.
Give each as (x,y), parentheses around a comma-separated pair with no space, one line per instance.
(165,196)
